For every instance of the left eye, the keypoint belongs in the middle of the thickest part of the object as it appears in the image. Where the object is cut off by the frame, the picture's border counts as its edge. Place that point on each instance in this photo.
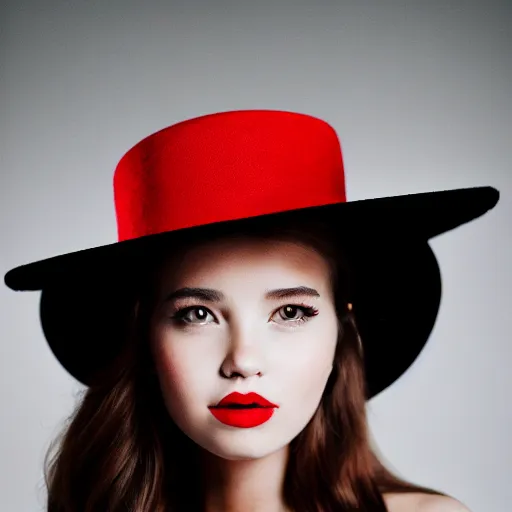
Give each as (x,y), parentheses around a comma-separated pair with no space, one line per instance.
(289,313)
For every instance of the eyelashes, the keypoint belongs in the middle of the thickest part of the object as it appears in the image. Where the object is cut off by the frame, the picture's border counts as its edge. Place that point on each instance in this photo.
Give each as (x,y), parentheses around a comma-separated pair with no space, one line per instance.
(198,315)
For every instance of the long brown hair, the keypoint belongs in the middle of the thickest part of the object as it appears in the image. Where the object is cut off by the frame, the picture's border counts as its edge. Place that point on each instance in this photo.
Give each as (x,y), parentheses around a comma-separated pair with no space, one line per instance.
(121,451)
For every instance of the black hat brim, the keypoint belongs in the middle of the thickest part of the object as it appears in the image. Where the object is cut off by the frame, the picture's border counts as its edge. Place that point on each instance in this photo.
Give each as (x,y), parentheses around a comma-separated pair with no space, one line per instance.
(397,283)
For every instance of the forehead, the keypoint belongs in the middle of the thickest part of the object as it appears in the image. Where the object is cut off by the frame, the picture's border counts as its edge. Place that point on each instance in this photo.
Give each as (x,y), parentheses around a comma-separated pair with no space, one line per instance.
(246,259)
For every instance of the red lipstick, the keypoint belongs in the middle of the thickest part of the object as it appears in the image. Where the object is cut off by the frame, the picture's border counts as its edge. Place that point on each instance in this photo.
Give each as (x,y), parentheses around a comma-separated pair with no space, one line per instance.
(243,411)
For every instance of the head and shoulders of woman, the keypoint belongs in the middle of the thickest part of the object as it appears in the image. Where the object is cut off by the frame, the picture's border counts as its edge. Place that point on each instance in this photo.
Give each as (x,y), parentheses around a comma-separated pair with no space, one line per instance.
(259,312)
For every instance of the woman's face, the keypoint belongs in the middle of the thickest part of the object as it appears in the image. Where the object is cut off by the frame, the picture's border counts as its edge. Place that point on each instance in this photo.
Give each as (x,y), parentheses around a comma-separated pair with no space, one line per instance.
(238,335)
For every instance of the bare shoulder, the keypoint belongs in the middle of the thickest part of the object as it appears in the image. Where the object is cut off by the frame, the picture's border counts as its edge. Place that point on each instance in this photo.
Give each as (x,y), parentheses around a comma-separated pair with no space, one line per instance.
(420,502)
(430,503)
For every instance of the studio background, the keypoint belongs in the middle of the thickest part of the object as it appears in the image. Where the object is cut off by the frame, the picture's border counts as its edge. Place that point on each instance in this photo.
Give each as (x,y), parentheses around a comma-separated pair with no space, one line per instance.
(420,94)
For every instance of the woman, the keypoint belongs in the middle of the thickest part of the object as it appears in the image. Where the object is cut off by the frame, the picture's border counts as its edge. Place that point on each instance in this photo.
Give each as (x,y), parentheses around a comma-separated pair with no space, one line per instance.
(231,338)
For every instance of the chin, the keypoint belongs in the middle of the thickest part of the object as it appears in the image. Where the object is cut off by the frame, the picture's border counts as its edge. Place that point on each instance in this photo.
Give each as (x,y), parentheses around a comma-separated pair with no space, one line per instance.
(241,446)
(242,453)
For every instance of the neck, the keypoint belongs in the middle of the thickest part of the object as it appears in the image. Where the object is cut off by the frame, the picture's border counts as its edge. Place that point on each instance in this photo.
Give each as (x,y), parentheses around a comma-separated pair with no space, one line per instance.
(249,485)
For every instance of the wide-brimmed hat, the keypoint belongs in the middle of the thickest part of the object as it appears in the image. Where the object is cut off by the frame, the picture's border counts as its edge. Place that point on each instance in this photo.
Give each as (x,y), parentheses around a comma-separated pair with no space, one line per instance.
(238,170)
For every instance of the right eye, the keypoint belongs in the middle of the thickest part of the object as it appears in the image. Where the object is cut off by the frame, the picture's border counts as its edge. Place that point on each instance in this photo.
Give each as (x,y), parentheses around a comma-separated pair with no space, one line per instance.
(193,315)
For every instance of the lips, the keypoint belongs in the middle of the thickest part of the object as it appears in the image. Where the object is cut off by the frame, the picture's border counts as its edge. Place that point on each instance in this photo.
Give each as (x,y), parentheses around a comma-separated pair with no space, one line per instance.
(243,411)
(250,399)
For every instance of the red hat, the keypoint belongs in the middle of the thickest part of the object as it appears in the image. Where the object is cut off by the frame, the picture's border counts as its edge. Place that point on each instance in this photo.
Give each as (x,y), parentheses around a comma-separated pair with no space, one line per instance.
(234,170)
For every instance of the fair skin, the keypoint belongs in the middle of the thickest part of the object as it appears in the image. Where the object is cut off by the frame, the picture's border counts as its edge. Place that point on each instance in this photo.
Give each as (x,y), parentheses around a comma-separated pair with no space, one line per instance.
(244,338)
(419,502)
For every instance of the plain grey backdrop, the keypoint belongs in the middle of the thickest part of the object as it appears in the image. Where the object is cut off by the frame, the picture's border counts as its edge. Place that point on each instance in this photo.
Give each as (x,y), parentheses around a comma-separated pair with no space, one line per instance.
(420,94)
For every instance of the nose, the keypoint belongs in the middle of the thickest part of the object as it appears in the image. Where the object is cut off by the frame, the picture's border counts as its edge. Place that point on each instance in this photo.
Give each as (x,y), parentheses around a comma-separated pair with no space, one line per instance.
(243,359)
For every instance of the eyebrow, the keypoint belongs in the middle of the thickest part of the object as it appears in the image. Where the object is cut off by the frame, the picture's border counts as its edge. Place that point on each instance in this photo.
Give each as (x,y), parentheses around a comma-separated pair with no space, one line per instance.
(210,295)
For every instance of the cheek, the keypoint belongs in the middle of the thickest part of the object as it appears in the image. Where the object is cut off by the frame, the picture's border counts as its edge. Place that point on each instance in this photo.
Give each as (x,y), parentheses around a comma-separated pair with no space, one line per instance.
(184,377)
(172,371)
(306,368)
(309,370)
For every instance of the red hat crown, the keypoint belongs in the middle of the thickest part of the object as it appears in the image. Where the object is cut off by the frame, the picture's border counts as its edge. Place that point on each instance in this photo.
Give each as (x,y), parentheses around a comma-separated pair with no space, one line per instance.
(227,166)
